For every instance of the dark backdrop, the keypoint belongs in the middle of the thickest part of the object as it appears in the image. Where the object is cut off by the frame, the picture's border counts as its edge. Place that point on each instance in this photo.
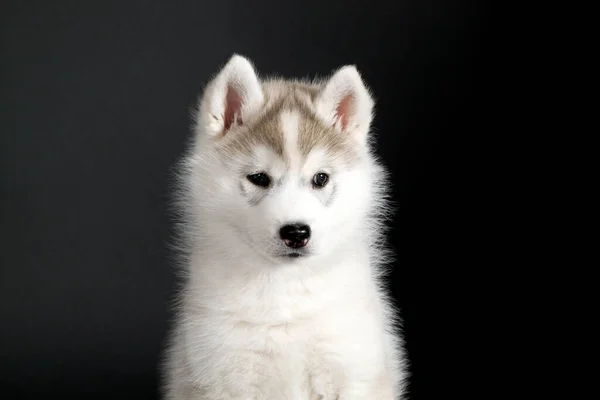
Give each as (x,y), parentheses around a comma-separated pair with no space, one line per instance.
(94,112)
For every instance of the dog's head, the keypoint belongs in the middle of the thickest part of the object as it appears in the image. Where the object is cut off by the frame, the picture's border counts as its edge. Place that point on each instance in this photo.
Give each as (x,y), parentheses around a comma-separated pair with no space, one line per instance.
(283,166)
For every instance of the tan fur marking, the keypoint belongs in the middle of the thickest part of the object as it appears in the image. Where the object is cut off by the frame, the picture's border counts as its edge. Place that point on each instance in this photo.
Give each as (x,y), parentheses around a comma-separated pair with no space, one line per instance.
(266,130)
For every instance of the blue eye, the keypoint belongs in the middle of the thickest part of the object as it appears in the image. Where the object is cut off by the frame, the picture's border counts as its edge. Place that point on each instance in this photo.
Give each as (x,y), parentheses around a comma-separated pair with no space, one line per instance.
(260,179)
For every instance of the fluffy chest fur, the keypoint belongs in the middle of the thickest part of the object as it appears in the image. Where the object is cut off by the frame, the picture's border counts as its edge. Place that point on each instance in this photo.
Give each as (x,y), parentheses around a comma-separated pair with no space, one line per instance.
(298,329)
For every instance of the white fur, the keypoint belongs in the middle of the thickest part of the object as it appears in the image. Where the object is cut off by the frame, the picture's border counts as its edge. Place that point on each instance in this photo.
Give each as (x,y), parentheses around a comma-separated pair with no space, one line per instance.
(347,82)
(289,126)
(252,326)
(239,75)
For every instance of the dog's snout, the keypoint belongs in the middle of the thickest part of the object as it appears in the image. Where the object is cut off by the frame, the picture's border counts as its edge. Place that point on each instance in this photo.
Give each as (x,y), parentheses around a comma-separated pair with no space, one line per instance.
(295,235)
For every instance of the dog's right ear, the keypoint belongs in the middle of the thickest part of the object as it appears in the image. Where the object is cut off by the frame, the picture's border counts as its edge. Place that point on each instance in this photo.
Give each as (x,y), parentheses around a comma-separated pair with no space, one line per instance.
(233,95)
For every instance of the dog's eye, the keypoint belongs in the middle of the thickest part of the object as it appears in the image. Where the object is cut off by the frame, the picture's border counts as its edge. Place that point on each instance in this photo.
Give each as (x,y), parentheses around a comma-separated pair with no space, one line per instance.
(320,180)
(260,179)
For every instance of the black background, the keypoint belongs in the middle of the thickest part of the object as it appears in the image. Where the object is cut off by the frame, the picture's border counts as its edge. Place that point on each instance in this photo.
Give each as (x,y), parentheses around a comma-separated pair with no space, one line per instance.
(94,112)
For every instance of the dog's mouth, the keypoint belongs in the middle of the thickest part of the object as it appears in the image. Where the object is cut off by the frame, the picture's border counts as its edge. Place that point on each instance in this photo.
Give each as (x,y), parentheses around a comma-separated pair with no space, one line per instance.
(281,253)
(293,255)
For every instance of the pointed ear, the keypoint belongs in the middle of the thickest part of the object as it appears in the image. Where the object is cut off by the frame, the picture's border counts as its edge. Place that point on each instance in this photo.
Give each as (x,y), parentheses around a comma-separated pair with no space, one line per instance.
(346,104)
(230,98)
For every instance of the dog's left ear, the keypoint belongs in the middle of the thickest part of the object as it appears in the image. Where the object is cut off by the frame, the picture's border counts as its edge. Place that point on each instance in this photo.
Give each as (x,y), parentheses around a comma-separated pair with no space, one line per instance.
(346,104)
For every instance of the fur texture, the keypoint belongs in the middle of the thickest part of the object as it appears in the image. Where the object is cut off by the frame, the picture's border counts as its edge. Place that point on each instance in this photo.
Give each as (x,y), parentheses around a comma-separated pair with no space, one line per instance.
(256,318)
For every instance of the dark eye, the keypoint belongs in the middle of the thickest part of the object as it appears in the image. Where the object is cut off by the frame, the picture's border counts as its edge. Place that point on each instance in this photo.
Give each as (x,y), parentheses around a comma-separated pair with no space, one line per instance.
(320,180)
(261,179)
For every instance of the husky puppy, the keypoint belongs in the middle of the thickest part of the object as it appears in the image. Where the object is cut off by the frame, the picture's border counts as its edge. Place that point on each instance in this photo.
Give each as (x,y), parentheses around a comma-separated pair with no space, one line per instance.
(282,202)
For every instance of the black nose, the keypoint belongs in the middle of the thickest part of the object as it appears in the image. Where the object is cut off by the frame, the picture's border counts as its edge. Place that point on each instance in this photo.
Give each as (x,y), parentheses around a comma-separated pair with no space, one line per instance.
(295,235)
